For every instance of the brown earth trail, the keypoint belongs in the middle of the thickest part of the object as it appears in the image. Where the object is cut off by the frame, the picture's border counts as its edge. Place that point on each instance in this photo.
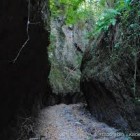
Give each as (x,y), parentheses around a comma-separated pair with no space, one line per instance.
(72,122)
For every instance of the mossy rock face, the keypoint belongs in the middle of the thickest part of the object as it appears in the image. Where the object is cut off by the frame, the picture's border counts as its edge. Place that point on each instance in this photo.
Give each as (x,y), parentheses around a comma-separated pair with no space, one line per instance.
(66,50)
(64,80)
(108,75)
(65,84)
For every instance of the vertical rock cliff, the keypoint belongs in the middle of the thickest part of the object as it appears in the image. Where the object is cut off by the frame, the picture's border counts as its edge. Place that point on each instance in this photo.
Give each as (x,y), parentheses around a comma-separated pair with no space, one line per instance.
(68,42)
(24,65)
(110,72)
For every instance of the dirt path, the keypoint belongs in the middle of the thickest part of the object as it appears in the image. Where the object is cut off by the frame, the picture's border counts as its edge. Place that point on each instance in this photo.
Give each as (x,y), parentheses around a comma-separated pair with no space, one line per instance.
(72,122)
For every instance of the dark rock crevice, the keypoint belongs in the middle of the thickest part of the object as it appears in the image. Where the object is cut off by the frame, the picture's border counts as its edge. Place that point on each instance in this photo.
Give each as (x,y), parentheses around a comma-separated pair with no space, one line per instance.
(23,83)
(67,98)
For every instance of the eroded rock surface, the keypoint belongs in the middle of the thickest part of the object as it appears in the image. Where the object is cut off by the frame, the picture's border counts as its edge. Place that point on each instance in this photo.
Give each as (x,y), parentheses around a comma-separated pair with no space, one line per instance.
(108,70)
(68,42)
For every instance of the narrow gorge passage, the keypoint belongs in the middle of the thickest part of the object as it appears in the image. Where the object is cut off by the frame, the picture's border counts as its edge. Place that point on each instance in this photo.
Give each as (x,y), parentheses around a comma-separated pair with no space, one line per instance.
(72,122)
(59,56)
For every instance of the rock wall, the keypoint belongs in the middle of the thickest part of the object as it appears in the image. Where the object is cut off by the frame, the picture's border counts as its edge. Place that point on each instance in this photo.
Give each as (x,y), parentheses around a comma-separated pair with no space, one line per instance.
(67,47)
(108,70)
(23,72)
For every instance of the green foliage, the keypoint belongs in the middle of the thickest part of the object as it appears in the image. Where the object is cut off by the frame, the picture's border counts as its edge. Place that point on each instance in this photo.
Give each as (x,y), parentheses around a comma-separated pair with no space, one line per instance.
(122,5)
(74,17)
(105,20)
(67,8)
(108,11)
(103,11)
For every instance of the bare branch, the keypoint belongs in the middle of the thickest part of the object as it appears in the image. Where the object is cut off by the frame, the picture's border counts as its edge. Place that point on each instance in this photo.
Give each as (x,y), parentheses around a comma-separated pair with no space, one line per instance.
(27,32)
(68,76)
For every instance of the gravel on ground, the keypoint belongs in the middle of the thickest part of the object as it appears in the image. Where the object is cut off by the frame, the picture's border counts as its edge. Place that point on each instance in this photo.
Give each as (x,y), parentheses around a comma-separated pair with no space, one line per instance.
(73,122)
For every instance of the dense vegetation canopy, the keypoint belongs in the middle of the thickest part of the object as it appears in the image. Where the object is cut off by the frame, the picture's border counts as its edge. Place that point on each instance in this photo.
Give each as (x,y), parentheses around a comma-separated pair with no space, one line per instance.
(104,12)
